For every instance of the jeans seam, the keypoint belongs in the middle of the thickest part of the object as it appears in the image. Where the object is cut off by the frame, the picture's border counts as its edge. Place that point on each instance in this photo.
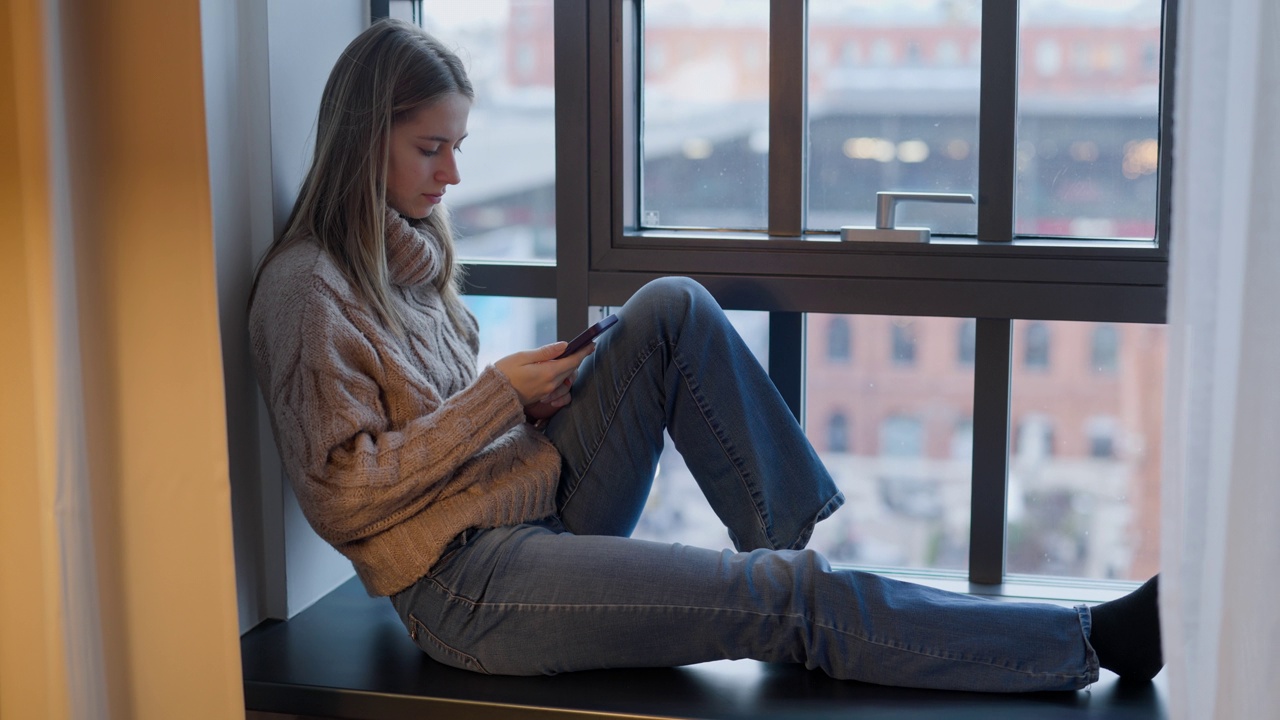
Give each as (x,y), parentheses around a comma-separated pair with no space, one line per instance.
(416,623)
(608,424)
(538,607)
(746,485)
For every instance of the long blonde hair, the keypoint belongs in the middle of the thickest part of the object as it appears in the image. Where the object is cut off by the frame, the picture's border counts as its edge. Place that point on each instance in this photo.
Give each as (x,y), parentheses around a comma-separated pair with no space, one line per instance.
(388,72)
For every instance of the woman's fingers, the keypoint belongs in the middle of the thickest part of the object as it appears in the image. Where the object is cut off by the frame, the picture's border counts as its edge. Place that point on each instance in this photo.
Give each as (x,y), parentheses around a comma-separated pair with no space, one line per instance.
(538,373)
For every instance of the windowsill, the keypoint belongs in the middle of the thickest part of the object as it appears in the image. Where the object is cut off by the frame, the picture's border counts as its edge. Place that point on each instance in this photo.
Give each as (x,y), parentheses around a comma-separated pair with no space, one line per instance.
(1059,590)
(349,656)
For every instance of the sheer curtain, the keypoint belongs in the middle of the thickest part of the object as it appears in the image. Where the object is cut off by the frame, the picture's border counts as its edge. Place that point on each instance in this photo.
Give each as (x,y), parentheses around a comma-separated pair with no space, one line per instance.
(1221,495)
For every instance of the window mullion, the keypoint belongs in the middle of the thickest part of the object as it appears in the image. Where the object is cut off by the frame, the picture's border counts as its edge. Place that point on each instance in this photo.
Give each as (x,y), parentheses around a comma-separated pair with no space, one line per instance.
(786,359)
(998,114)
(788,134)
(990,478)
(788,111)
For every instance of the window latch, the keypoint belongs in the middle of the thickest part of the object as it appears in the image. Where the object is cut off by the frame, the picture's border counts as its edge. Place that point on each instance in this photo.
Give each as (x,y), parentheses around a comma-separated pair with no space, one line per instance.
(886,205)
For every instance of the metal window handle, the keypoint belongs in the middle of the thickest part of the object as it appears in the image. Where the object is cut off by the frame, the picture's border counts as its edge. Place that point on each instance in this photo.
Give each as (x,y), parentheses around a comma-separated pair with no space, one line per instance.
(887,202)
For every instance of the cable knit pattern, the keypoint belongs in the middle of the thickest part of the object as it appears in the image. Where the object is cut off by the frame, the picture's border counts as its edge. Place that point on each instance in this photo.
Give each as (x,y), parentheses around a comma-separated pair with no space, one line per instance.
(411,258)
(393,446)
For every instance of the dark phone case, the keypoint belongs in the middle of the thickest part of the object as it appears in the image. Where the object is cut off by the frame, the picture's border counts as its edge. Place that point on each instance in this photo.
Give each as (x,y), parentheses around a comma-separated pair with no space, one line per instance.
(588,335)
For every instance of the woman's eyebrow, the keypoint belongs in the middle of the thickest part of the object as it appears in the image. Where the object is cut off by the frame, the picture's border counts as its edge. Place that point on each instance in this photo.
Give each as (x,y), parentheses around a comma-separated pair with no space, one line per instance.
(440,138)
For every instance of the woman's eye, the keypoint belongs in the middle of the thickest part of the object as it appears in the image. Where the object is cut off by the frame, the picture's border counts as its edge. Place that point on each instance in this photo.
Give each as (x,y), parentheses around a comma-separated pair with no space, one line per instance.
(428,153)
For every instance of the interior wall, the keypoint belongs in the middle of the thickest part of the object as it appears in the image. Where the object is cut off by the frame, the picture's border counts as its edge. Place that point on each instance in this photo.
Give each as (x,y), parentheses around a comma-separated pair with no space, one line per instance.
(306,37)
(237,112)
(265,67)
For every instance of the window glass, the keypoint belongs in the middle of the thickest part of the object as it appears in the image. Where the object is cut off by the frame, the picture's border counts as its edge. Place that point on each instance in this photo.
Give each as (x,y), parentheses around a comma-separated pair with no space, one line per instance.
(896,438)
(504,208)
(903,331)
(967,346)
(1084,471)
(1088,126)
(676,510)
(1036,347)
(839,340)
(509,324)
(706,114)
(897,109)
(1106,347)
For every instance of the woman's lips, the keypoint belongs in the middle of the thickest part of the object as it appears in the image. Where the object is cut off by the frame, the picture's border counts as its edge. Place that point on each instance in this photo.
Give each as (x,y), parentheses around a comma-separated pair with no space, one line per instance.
(433,199)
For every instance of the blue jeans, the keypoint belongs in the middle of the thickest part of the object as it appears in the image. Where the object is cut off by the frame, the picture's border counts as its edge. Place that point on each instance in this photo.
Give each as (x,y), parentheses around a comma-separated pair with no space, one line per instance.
(573,592)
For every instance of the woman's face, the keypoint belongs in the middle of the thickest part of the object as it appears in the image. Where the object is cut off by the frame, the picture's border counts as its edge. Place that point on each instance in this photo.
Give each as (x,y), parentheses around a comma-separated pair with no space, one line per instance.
(423,160)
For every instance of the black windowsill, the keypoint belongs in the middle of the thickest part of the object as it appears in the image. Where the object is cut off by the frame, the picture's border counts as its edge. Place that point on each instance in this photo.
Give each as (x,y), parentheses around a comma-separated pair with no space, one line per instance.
(348,656)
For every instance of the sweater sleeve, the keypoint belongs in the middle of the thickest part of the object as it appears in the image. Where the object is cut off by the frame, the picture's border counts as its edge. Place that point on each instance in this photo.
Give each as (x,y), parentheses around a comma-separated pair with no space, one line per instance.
(355,474)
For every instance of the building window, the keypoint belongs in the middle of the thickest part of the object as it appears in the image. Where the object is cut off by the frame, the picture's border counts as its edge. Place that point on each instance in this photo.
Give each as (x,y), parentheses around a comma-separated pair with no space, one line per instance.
(1035,438)
(904,342)
(839,340)
(962,439)
(1106,348)
(902,436)
(1101,432)
(838,433)
(967,343)
(1036,355)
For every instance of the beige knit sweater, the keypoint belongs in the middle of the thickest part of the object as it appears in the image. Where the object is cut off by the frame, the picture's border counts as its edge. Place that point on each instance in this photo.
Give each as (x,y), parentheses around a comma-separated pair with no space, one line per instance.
(393,446)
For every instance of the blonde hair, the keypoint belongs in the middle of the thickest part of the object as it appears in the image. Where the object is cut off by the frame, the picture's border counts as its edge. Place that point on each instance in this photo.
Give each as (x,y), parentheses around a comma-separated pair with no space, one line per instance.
(388,72)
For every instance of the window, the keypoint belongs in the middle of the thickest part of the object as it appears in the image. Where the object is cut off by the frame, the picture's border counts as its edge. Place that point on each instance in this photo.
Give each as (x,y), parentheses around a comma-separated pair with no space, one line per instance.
(1094,191)
(700,111)
(1035,438)
(1105,348)
(838,433)
(904,342)
(673,160)
(1084,472)
(505,208)
(912,497)
(962,439)
(902,436)
(839,340)
(1036,352)
(967,343)
(1101,432)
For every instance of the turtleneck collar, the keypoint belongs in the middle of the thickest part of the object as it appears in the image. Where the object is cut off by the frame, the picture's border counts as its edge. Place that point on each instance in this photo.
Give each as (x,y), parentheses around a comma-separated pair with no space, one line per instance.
(412,255)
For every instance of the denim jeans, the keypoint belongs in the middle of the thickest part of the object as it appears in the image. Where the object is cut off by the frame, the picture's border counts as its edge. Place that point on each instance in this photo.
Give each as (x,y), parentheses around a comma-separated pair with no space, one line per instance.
(573,592)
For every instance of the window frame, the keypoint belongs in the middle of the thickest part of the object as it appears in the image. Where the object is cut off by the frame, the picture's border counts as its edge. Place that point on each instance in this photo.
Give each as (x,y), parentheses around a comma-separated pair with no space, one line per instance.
(601,259)
(995,278)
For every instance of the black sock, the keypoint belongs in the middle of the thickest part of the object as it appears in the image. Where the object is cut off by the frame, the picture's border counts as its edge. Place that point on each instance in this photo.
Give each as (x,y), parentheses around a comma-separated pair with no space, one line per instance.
(1126,633)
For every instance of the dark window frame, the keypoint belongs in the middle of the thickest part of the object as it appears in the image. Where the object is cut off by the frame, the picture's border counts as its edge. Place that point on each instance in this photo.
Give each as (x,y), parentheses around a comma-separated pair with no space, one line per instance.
(995,277)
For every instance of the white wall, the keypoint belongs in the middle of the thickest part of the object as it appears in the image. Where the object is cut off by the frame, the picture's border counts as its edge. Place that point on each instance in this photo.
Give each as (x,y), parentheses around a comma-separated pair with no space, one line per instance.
(265,66)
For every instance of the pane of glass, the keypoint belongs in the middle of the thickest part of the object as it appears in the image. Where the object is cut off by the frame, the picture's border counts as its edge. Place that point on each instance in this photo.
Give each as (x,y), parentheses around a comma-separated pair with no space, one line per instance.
(504,208)
(889,407)
(893,105)
(1088,124)
(1084,472)
(676,510)
(706,114)
(510,324)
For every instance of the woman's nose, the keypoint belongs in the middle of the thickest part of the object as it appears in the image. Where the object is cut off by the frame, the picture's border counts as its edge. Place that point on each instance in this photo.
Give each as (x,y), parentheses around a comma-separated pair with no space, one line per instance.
(448,172)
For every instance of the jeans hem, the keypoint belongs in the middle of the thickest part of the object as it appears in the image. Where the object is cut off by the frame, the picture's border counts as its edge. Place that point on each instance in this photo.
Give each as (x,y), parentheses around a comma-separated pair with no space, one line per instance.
(1091,656)
(806,532)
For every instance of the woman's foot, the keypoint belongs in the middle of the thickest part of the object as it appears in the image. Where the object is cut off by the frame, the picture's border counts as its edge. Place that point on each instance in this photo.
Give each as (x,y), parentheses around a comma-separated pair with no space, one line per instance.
(1126,633)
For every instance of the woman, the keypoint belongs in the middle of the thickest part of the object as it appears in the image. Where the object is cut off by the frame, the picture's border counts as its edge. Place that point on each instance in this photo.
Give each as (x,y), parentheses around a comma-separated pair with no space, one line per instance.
(495,513)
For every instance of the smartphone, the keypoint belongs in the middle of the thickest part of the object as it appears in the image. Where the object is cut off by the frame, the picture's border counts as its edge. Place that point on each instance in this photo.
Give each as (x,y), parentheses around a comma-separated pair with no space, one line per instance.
(588,335)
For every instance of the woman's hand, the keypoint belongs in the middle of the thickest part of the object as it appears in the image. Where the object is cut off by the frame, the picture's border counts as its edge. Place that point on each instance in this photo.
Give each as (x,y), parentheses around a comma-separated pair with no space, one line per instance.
(539,378)
(545,409)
